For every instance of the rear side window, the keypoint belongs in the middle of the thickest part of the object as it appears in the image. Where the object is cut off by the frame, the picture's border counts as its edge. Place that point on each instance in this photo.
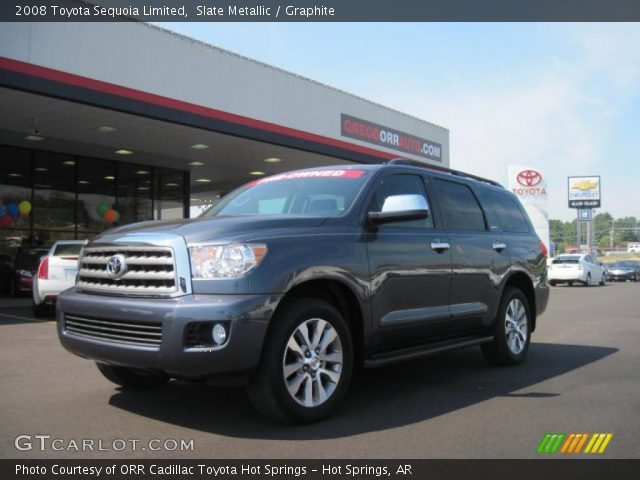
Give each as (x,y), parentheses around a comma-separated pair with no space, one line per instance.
(508,212)
(68,249)
(459,206)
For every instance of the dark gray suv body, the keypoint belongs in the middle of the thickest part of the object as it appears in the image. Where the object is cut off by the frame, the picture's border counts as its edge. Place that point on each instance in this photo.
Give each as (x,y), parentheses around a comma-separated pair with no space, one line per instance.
(294,279)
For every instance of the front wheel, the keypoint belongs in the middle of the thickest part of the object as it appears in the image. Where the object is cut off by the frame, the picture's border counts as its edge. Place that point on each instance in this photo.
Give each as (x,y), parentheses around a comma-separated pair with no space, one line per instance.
(512,330)
(306,364)
(130,378)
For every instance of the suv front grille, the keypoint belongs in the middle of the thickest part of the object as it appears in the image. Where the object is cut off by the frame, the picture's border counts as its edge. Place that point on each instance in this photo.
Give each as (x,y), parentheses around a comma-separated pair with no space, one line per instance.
(150,271)
(115,331)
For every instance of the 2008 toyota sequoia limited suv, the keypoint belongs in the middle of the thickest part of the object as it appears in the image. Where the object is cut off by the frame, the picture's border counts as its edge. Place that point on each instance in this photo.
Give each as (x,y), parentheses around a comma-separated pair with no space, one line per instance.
(294,279)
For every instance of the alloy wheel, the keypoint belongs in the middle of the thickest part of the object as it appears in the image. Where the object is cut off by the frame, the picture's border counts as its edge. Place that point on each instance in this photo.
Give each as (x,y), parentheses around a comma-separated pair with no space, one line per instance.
(516,326)
(312,362)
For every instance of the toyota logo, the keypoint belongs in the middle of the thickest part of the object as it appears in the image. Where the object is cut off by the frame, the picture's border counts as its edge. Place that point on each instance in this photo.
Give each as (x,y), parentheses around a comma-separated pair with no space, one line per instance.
(529,178)
(116,266)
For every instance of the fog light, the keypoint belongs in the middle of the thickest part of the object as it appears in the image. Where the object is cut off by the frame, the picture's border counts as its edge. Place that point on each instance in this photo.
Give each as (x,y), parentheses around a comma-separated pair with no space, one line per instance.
(219,334)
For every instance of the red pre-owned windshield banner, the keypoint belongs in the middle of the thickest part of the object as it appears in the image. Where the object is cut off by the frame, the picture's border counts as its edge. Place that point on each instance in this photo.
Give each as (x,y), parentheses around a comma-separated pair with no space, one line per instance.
(337,173)
(388,137)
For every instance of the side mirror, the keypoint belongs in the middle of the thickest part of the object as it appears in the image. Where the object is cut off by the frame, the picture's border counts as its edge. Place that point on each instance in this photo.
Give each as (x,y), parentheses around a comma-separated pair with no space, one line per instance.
(399,208)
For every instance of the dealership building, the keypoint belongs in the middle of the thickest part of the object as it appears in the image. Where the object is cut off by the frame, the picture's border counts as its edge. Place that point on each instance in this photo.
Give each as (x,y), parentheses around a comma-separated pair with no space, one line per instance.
(104,124)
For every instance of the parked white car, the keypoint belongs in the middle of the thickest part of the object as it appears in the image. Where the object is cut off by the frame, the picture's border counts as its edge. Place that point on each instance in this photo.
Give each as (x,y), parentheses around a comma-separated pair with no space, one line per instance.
(572,268)
(56,272)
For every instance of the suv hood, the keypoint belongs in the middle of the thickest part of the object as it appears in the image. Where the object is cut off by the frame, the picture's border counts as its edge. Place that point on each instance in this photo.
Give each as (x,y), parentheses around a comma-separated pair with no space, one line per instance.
(218,229)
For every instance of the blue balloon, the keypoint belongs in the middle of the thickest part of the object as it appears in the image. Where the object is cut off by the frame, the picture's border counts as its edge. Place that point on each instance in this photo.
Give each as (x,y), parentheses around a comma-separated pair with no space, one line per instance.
(12,209)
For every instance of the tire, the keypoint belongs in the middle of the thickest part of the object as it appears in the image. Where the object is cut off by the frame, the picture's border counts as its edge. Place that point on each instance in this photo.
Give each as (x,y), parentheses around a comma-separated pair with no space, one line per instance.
(553,283)
(132,379)
(279,388)
(40,310)
(570,283)
(504,349)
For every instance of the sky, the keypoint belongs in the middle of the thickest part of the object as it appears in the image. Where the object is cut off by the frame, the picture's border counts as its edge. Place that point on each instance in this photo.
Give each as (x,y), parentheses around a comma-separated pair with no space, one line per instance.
(561,98)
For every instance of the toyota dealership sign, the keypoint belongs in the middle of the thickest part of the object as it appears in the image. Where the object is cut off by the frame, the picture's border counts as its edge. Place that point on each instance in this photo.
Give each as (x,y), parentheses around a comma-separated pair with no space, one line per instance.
(530,185)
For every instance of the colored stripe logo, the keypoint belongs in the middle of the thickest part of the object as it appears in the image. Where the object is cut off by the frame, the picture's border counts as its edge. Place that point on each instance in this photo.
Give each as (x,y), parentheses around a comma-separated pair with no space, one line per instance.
(574,443)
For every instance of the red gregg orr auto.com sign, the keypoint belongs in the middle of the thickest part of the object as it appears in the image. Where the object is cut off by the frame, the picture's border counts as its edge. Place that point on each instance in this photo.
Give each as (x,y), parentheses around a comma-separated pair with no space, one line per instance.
(387,137)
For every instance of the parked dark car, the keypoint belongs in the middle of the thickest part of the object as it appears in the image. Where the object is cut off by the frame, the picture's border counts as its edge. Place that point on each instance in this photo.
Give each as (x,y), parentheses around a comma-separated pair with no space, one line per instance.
(292,280)
(624,270)
(25,266)
(6,273)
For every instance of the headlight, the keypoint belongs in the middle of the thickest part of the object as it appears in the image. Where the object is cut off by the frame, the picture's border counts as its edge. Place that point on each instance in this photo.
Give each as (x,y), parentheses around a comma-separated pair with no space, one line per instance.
(225,261)
(25,273)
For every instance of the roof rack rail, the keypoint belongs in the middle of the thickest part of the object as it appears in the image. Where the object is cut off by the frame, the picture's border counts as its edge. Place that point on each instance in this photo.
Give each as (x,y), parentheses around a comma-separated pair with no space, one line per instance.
(458,173)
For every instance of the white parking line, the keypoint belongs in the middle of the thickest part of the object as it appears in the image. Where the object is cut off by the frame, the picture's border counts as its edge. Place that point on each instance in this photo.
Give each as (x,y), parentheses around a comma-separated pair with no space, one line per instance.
(26,318)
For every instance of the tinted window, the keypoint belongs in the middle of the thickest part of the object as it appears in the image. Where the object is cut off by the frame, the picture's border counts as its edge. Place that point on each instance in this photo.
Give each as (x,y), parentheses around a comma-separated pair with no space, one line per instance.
(400,185)
(459,206)
(510,217)
(65,249)
(566,260)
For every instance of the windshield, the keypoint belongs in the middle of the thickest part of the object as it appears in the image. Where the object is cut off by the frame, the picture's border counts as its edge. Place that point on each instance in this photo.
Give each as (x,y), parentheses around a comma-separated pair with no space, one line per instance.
(322,193)
(623,265)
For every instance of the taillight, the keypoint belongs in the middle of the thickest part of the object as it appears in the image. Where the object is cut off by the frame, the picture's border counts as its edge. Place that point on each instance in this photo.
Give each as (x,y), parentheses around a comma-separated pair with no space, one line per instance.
(43,269)
(543,249)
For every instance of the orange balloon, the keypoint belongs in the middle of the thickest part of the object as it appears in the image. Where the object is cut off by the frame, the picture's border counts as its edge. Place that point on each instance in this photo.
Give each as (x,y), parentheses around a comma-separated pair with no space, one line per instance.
(111,216)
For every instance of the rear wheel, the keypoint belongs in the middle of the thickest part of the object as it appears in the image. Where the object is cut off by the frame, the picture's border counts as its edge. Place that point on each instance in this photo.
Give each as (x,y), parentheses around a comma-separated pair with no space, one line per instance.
(512,330)
(132,378)
(552,283)
(306,364)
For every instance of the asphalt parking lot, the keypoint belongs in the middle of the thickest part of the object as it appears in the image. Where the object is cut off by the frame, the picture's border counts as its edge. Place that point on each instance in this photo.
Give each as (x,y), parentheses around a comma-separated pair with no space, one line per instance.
(582,375)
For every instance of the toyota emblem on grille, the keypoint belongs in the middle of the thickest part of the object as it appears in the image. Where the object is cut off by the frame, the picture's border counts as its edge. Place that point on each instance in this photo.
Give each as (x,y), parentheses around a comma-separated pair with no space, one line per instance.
(529,178)
(116,266)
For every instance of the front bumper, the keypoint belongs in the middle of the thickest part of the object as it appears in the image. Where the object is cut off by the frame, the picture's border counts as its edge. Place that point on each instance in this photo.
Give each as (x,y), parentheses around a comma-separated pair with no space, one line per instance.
(621,276)
(247,315)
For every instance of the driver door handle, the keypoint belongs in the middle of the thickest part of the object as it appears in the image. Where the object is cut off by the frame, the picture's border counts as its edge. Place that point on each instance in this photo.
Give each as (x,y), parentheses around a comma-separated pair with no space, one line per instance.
(499,246)
(440,246)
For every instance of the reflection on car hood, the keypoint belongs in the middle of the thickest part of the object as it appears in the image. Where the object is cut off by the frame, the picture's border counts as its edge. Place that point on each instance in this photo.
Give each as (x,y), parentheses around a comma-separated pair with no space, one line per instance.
(621,270)
(216,228)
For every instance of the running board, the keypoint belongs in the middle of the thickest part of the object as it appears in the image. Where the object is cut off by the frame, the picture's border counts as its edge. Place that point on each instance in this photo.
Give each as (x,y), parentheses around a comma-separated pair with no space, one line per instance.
(389,358)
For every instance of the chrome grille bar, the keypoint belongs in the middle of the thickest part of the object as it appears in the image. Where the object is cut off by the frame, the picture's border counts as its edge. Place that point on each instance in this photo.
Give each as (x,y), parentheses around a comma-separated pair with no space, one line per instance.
(151,271)
(126,332)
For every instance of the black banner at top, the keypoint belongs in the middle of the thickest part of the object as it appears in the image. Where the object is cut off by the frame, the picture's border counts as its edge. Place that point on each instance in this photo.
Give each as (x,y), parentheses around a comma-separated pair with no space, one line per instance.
(320,10)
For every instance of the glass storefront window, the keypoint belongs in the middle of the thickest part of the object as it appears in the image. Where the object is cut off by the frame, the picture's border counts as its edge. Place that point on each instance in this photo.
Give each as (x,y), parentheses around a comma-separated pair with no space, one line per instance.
(47,196)
(169,202)
(54,196)
(96,208)
(135,193)
(15,190)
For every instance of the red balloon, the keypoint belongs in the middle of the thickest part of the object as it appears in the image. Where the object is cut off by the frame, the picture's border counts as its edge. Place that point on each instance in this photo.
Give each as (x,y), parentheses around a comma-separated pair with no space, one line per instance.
(111,216)
(6,221)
